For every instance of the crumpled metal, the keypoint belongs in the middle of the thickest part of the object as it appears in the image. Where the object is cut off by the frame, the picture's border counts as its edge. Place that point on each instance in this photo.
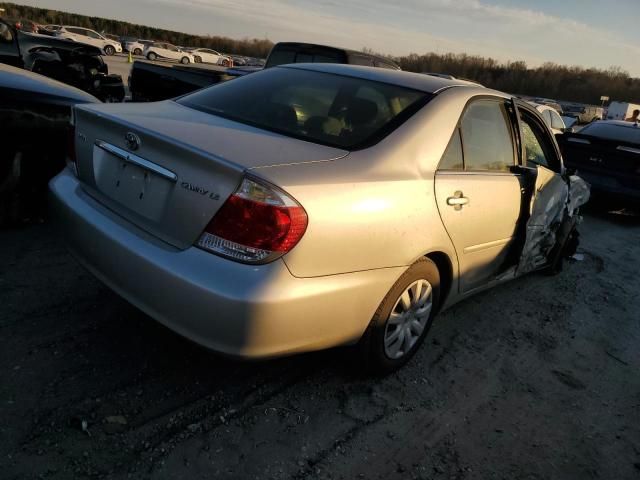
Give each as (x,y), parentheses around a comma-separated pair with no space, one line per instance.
(553,201)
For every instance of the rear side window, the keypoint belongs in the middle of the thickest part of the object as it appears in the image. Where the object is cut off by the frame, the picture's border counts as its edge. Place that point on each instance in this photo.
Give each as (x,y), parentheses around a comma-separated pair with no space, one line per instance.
(486,137)
(334,110)
(452,159)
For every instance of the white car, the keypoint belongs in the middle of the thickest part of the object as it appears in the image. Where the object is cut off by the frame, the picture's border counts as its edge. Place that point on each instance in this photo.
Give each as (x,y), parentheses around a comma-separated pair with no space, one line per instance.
(136,47)
(91,37)
(206,55)
(167,51)
(551,117)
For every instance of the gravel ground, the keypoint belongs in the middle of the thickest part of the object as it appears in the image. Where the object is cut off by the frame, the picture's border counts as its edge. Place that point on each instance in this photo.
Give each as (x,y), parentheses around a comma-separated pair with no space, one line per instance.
(534,379)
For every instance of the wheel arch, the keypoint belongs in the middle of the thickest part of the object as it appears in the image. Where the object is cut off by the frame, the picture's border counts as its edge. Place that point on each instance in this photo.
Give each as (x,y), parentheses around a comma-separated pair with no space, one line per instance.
(445,269)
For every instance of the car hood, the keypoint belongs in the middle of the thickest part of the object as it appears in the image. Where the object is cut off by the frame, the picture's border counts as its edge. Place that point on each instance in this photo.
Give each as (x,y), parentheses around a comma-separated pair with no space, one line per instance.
(243,145)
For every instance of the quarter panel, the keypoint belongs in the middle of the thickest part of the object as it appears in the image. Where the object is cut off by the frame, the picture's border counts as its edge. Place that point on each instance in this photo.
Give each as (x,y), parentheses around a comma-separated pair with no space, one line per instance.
(375,208)
(356,223)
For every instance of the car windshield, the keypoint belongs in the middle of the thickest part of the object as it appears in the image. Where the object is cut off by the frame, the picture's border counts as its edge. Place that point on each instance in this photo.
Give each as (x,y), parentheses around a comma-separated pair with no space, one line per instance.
(329,109)
(612,131)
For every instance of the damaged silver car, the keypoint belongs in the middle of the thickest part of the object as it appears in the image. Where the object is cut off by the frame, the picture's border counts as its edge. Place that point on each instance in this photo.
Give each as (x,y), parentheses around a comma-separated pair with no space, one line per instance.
(314,205)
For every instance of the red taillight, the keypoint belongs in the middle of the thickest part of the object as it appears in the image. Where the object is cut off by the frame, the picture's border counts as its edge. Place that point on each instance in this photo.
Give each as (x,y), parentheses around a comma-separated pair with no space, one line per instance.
(256,224)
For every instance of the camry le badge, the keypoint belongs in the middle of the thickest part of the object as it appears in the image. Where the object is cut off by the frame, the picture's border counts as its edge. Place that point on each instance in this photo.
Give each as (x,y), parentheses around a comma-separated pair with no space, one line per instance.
(132,140)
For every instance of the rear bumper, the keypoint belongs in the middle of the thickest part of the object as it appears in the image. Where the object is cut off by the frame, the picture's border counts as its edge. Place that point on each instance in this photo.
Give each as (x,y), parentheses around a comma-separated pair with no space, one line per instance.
(243,310)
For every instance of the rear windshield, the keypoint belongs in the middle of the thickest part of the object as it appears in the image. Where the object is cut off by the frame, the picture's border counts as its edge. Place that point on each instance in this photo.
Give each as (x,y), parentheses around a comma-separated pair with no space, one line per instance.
(611,131)
(334,110)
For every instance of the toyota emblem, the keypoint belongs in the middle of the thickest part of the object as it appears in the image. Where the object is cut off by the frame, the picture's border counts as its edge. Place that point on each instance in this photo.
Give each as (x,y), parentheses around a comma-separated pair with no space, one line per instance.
(132,140)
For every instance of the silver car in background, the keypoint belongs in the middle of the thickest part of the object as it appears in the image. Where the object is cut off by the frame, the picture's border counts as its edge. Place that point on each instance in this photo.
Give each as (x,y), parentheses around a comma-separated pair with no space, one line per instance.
(315,205)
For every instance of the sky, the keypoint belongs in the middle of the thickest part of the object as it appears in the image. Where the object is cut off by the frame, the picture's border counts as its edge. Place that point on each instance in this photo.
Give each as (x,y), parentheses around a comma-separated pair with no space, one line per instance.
(598,33)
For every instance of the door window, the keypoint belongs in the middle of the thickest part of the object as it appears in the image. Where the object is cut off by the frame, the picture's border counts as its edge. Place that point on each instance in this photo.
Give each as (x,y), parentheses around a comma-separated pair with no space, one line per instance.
(93,34)
(452,158)
(486,137)
(537,145)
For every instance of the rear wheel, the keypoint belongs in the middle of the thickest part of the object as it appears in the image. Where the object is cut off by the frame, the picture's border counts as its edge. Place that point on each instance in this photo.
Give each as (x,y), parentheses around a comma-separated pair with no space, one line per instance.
(137,51)
(226,63)
(151,56)
(109,50)
(403,319)
(197,59)
(184,60)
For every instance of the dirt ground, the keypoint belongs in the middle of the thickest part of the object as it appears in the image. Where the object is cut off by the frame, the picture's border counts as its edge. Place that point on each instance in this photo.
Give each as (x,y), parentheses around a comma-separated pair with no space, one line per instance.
(535,379)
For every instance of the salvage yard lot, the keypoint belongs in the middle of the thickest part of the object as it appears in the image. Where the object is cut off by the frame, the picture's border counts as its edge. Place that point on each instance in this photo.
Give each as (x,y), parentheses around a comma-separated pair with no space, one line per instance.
(537,378)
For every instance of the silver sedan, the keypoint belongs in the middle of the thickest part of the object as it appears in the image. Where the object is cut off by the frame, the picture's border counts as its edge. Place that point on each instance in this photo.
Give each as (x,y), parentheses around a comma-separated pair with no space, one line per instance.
(309,206)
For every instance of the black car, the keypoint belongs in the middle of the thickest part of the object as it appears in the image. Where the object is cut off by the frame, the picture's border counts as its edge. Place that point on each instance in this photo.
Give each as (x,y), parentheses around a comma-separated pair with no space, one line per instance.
(67,61)
(607,155)
(295,52)
(152,81)
(35,113)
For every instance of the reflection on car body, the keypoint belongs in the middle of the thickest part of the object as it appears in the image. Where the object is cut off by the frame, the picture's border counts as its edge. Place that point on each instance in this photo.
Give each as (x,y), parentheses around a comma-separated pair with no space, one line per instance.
(354,203)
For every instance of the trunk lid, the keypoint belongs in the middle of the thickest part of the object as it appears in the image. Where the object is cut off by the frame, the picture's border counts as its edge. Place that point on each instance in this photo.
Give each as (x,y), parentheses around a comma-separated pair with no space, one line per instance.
(603,157)
(168,168)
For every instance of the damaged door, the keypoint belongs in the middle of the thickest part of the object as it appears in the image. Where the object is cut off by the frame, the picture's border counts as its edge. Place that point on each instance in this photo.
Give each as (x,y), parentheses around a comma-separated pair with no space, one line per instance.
(478,194)
(552,219)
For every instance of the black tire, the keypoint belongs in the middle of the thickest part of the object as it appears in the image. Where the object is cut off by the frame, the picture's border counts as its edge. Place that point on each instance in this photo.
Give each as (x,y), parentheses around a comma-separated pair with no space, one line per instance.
(197,59)
(371,348)
(225,63)
(567,241)
(137,51)
(185,60)
(151,56)
(109,50)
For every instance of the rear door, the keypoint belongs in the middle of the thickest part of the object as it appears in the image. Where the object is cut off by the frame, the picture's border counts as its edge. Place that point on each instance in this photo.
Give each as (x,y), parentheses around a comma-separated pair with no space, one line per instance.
(478,194)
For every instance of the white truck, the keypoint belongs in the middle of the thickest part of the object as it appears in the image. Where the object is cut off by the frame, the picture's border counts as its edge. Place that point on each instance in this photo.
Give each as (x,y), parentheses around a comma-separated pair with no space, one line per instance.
(621,110)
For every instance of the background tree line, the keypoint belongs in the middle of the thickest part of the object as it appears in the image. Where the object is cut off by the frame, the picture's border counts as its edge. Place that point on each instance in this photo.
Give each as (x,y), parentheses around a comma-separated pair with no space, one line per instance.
(550,80)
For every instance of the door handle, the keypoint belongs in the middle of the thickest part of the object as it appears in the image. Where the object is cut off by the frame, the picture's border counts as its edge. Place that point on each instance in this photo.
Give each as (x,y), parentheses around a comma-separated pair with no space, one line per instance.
(458,200)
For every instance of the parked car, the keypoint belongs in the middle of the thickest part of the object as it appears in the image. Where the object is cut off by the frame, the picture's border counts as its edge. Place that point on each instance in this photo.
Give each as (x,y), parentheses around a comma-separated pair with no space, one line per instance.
(164,50)
(76,64)
(621,110)
(309,206)
(136,47)
(451,77)
(24,25)
(91,37)
(206,55)
(551,118)
(296,52)
(34,114)
(584,113)
(151,82)
(164,81)
(111,36)
(607,155)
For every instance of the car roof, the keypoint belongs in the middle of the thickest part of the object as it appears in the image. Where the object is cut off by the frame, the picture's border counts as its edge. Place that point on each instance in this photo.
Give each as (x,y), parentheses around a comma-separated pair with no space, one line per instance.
(415,81)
